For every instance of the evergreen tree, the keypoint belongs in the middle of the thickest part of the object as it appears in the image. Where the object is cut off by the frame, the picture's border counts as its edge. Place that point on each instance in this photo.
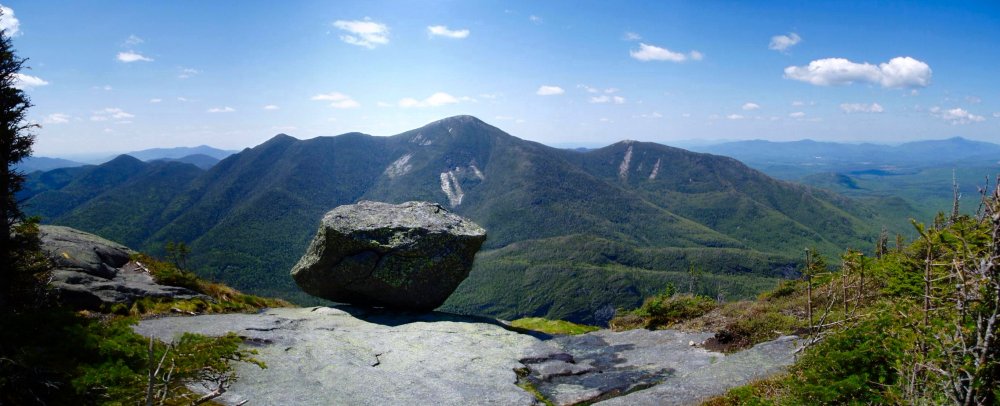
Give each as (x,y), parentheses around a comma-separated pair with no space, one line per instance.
(16,139)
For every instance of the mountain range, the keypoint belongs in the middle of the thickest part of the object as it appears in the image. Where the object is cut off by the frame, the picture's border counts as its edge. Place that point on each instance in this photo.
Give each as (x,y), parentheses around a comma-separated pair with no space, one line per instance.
(202,156)
(571,234)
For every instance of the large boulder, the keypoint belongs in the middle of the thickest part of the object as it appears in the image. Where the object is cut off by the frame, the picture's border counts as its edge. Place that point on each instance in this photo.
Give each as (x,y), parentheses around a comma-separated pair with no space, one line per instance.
(408,256)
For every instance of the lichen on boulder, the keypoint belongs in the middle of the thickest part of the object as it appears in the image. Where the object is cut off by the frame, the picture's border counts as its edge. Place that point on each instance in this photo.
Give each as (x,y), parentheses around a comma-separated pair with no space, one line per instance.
(408,256)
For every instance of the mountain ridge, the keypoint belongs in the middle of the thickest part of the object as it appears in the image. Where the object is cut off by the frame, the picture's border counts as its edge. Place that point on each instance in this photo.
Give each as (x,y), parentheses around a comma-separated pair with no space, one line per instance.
(249,217)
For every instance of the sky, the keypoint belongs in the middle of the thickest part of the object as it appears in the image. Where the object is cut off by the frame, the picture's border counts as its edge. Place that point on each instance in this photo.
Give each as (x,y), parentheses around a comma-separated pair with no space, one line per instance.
(116,76)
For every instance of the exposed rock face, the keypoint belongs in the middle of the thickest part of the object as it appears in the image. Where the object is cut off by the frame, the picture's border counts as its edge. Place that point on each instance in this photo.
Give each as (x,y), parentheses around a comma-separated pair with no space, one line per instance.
(88,253)
(407,256)
(355,356)
(91,271)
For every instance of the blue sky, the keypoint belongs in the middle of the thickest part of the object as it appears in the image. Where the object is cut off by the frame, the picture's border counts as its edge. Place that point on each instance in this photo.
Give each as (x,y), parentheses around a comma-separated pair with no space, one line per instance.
(113,76)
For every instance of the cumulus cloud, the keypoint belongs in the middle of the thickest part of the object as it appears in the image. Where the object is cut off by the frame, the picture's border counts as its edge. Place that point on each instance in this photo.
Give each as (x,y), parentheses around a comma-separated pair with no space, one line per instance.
(434,100)
(546,90)
(750,106)
(735,117)
(271,107)
(607,99)
(443,31)
(25,82)
(132,56)
(898,72)
(631,36)
(850,108)
(956,115)
(155,100)
(56,118)
(781,43)
(647,52)
(10,24)
(225,109)
(337,100)
(363,33)
(110,113)
(535,19)
(996,115)
(797,114)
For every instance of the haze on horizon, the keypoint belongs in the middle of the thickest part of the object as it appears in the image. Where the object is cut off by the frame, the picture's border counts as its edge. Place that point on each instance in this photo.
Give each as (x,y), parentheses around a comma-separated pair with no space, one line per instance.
(115,76)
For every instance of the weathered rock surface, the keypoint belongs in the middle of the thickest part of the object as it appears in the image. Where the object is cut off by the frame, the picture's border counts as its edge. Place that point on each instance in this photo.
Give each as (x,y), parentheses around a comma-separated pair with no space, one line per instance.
(91,271)
(326,356)
(348,355)
(408,256)
(88,253)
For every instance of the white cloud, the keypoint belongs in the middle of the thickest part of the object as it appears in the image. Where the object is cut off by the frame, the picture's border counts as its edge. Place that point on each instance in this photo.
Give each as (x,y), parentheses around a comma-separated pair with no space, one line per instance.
(187,73)
(781,43)
(132,56)
(750,106)
(110,113)
(535,19)
(225,109)
(443,31)
(735,117)
(973,99)
(434,100)
(56,118)
(182,99)
(956,115)
(155,100)
(898,72)
(490,96)
(861,108)
(650,115)
(799,103)
(10,24)
(546,90)
(797,114)
(364,33)
(133,40)
(271,107)
(631,36)
(338,100)
(25,82)
(648,52)
(996,115)
(607,99)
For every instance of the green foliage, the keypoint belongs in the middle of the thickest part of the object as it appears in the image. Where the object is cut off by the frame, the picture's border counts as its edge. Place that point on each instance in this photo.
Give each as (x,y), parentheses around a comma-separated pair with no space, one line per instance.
(554,327)
(664,310)
(854,366)
(222,299)
(57,357)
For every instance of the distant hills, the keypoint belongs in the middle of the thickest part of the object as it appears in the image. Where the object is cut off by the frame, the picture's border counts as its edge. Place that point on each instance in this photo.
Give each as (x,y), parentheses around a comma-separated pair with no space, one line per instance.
(202,156)
(797,159)
(916,175)
(572,234)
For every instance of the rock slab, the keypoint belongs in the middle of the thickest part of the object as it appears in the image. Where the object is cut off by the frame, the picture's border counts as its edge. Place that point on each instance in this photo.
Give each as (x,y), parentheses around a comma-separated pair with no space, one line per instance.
(333,356)
(409,256)
(90,272)
(362,356)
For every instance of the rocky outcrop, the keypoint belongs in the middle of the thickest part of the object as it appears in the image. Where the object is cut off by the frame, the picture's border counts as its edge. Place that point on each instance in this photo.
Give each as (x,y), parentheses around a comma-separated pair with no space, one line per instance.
(350,355)
(407,256)
(90,272)
(69,248)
